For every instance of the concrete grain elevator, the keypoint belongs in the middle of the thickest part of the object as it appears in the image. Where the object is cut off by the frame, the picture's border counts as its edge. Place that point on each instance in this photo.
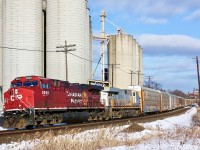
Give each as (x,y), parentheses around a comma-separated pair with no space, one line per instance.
(30,30)
(125,54)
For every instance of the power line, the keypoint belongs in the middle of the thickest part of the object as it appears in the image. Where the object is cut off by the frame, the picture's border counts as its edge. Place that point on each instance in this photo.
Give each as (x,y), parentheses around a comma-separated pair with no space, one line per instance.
(29,50)
(122,70)
(66,50)
(131,73)
(138,73)
(24,49)
(97,64)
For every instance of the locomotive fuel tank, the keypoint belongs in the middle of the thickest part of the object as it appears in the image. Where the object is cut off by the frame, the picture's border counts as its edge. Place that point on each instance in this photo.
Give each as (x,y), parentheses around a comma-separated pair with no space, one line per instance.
(75,117)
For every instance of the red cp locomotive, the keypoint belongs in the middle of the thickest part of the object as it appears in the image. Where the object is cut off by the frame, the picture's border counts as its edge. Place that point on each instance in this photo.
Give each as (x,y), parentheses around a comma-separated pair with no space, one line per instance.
(35,101)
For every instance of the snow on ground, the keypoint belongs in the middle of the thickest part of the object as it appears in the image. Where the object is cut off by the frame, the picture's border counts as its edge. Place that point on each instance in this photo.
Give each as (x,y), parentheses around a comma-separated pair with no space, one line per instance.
(2,128)
(184,121)
(162,135)
(159,145)
(150,138)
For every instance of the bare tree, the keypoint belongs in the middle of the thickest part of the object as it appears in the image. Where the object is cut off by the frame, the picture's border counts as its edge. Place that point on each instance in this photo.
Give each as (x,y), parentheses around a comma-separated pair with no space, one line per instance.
(153,84)
(178,93)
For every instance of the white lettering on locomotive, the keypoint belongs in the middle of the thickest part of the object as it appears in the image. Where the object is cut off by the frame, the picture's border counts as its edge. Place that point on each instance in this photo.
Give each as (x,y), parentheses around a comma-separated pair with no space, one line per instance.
(75,95)
(45,93)
(12,97)
(19,96)
(16,91)
(16,97)
(76,101)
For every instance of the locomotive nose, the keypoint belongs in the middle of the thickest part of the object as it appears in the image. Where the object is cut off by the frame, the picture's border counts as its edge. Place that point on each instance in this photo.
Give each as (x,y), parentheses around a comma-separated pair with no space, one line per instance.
(12,99)
(18,98)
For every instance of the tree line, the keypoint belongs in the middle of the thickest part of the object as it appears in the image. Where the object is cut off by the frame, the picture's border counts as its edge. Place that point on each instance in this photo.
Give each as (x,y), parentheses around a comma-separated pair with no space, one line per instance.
(157,86)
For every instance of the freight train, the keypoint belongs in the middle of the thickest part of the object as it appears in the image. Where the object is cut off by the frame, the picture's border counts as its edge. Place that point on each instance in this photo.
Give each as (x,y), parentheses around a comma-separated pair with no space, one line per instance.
(37,101)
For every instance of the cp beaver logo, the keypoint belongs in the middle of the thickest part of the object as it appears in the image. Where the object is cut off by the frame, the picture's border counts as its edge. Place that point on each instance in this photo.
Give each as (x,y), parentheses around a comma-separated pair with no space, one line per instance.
(84,98)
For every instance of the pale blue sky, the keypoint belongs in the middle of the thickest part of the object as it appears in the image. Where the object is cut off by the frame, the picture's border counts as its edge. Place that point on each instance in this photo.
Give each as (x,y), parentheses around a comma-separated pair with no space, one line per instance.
(167,30)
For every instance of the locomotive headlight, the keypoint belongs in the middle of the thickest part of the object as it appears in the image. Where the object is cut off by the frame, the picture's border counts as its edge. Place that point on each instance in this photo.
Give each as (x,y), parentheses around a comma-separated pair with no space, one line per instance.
(17,79)
(28,77)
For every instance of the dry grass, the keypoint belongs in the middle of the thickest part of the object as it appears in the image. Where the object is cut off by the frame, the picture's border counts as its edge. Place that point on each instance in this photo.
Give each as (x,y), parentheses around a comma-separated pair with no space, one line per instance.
(196,118)
(72,141)
(110,137)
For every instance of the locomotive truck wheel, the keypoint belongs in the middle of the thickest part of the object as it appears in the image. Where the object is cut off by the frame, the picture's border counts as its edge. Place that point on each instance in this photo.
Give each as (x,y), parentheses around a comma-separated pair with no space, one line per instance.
(21,123)
(29,127)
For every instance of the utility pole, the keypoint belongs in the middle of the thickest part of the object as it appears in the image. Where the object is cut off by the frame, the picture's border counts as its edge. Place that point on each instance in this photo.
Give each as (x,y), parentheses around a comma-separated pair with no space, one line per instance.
(138,73)
(45,42)
(112,66)
(103,16)
(1,93)
(66,50)
(198,75)
(149,81)
(131,73)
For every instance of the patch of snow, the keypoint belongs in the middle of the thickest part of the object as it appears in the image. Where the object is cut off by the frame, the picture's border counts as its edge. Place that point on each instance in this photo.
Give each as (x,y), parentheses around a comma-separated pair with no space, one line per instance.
(2,129)
(184,120)
(167,126)
(161,145)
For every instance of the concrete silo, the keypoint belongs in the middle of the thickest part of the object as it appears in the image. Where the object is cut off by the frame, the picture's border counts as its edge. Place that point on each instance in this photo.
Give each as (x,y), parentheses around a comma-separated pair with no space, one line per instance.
(88,44)
(1,52)
(123,50)
(68,20)
(140,65)
(90,48)
(22,39)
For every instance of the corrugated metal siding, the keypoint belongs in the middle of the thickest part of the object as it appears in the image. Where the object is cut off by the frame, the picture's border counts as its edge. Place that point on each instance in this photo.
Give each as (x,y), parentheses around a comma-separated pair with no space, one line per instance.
(22,29)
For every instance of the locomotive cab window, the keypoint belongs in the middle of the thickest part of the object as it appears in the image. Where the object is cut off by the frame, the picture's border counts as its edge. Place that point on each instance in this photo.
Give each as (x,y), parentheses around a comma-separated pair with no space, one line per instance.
(16,84)
(44,85)
(54,83)
(58,83)
(30,83)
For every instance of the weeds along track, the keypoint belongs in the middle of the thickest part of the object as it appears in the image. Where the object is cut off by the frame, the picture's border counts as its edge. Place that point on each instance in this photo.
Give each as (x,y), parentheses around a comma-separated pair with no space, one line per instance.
(8,136)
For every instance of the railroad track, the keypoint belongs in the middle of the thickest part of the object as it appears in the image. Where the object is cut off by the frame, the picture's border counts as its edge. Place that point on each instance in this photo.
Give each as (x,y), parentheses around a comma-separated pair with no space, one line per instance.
(8,136)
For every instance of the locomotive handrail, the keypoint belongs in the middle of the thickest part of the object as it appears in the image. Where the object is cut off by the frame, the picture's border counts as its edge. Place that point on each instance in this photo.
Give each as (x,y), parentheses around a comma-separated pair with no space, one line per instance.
(29,107)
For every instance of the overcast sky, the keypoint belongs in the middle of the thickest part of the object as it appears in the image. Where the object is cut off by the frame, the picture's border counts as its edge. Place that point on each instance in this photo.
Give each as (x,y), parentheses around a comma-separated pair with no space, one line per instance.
(167,30)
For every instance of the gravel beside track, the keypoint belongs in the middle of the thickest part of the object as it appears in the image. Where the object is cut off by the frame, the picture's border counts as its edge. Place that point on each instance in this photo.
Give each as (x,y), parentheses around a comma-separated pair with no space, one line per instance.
(8,136)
